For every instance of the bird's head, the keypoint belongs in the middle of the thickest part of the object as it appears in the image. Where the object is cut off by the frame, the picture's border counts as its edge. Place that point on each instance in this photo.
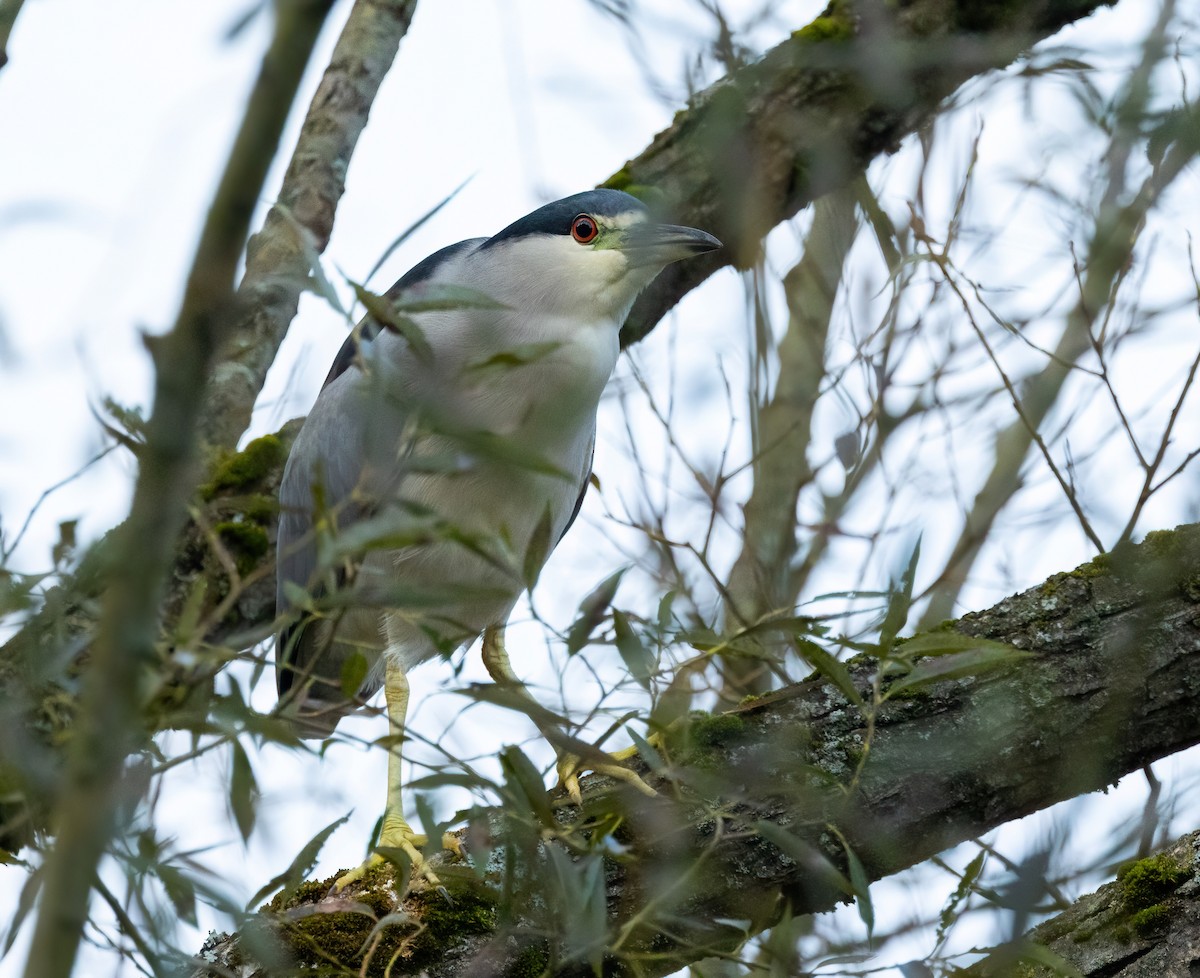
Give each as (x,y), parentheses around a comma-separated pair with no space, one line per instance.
(588,255)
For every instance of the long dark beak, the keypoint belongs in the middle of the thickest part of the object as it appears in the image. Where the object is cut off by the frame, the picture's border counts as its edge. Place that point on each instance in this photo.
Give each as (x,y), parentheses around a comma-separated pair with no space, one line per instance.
(661,244)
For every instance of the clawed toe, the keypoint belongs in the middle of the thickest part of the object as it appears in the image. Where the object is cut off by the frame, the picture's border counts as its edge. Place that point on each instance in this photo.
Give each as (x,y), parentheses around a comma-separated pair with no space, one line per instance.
(571,766)
(395,845)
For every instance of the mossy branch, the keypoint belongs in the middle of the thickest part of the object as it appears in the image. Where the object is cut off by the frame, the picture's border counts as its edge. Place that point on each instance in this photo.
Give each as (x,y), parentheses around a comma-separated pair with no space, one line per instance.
(759,145)
(1145,924)
(758,808)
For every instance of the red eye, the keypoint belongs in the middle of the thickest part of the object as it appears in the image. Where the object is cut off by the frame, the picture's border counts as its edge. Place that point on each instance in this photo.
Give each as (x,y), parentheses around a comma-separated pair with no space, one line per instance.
(584,229)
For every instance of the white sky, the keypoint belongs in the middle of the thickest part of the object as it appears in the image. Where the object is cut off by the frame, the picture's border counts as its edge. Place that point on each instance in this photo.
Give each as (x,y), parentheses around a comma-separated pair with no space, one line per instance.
(114,121)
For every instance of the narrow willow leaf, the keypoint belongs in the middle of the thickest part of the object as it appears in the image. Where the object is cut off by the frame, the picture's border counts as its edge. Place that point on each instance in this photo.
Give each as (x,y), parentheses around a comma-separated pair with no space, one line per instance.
(830,668)
(815,863)
(592,610)
(899,601)
(955,665)
(354,671)
(25,903)
(540,545)
(399,859)
(180,891)
(654,760)
(243,791)
(384,312)
(1042,955)
(950,912)
(638,659)
(944,643)
(520,355)
(525,784)
(300,867)
(676,699)
(862,889)
(412,229)
(443,297)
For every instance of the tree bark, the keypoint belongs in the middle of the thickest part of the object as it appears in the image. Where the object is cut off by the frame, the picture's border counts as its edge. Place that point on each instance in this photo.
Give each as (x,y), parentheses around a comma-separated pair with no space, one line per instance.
(1145,924)
(759,809)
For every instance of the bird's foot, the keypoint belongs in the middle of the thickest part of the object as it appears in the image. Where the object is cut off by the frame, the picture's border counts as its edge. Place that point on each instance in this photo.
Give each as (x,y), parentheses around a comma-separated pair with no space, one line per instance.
(570,767)
(396,841)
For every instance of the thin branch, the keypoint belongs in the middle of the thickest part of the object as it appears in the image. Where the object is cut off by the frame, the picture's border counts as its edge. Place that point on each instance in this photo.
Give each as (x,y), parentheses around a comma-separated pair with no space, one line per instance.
(108,725)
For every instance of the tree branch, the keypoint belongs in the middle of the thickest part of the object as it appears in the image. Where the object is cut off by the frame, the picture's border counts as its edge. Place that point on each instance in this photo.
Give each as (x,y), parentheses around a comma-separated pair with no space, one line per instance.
(753,804)
(109,720)
(1146,924)
(277,261)
(756,147)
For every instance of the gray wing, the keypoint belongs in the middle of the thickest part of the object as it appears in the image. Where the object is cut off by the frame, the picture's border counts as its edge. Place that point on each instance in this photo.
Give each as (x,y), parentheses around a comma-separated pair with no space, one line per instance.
(329,454)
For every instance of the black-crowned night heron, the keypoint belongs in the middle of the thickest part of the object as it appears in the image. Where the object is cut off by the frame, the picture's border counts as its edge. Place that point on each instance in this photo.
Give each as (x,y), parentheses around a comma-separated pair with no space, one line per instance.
(446,456)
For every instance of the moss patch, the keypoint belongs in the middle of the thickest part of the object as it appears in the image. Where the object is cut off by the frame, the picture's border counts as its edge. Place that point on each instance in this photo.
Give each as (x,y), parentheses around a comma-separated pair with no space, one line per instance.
(245,469)
(1148,882)
(697,739)
(1145,886)
(1149,921)
(472,911)
(246,542)
(426,923)
(531,961)
(836,23)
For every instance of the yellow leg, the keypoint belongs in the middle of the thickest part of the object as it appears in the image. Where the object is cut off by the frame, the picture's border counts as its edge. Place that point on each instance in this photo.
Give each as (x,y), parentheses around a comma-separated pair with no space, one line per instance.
(569,767)
(396,832)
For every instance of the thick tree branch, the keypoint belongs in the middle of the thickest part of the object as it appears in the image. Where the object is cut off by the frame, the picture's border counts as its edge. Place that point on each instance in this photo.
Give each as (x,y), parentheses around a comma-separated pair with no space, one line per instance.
(1145,924)
(754,804)
(277,261)
(761,144)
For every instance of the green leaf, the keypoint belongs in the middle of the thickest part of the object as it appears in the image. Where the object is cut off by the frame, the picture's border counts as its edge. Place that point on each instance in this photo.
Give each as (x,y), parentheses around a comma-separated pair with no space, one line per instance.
(581,905)
(831,669)
(899,601)
(66,541)
(646,751)
(1042,955)
(443,297)
(525,784)
(944,643)
(400,859)
(318,282)
(385,313)
(300,867)
(592,610)
(25,903)
(954,665)
(180,891)
(638,659)
(676,699)
(540,545)
(243,791)
(862,889)
(519,356)
(354,671)
(414,227)
(816,865)
(950,912)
